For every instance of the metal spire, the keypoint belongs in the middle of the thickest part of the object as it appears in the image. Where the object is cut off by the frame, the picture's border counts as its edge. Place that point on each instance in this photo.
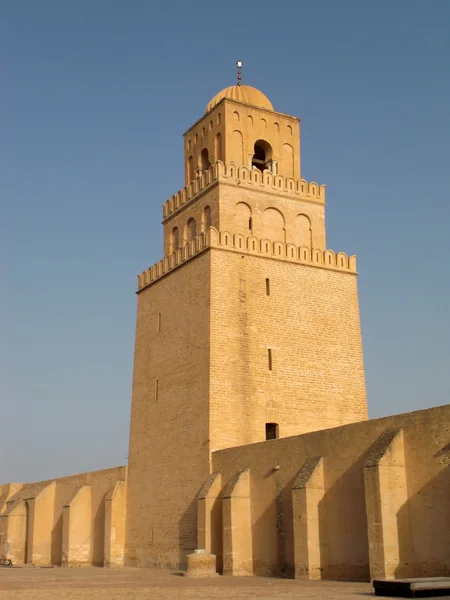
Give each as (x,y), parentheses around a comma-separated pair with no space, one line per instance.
(239,74)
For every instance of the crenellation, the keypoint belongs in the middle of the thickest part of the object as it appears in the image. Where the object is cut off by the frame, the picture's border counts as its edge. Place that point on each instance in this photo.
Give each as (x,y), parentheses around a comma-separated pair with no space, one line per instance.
(250,245)
(232,174)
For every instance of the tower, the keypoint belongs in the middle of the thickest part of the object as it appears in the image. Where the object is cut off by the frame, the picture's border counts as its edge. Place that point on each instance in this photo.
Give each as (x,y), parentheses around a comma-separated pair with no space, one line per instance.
(247,329)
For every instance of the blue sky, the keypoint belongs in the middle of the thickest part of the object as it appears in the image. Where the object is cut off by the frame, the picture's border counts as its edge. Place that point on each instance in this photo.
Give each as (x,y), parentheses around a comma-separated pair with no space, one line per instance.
(96,97)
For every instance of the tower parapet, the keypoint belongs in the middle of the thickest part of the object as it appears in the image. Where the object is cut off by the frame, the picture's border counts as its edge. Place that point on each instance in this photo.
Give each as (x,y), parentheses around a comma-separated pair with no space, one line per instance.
(247,245)
(249,178)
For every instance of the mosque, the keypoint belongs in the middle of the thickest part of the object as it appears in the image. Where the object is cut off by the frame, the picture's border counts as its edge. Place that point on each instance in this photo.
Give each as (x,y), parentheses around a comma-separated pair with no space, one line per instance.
(249,433)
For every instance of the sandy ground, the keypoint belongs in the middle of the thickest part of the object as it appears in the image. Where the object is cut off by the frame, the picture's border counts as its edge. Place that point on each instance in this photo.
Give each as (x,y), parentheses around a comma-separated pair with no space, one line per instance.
(139,584)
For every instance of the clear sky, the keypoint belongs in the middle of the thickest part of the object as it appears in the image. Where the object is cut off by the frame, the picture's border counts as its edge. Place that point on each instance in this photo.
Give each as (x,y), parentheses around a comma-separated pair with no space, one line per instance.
(96,96)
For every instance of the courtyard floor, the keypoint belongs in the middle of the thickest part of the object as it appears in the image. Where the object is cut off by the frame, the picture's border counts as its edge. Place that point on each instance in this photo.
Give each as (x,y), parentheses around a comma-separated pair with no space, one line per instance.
(139,584)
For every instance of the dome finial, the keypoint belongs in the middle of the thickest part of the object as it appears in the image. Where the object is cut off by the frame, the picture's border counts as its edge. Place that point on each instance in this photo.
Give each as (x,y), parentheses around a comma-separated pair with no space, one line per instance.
(239,74)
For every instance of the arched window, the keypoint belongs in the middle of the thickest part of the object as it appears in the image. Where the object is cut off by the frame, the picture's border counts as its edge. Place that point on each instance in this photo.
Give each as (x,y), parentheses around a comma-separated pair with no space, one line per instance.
(190,231)
(204,160)
(262,156)
(206,219)
(174,240)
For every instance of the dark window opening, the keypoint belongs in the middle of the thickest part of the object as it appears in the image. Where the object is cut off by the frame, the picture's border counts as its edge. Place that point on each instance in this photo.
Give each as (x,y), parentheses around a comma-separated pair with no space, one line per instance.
(250,223)
(268,287)
(159,322)
(269,353)
(204,160)
(262,156)
(271,431)
(156,390)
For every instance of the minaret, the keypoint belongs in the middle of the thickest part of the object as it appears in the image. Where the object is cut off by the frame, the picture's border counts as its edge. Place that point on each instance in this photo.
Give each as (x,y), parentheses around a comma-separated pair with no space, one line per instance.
(247,329)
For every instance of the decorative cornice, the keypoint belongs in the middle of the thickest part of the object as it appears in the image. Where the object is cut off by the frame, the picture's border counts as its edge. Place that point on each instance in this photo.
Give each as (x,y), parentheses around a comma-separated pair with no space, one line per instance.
(323,259)
(238,103)
(299,189)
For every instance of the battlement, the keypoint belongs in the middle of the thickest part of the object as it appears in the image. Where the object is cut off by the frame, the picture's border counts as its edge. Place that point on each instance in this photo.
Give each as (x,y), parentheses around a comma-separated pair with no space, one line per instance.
(237,242)
(250,178)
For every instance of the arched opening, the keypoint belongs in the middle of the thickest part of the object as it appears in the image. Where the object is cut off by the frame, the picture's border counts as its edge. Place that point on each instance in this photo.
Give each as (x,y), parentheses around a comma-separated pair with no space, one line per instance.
(262,156)
(190,231)
(174,240)
(204,160)
(27,526)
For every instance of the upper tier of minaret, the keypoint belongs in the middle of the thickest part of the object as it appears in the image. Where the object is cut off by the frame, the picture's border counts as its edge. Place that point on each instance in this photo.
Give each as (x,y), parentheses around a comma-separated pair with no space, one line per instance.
(242,173)
(240,125)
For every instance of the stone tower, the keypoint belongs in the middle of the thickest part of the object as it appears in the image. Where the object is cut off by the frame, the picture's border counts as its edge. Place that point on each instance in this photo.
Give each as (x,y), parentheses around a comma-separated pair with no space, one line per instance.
(247,329)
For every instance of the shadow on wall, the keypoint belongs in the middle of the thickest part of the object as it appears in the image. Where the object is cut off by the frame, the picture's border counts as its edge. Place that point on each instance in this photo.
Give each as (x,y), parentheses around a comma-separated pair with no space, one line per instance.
(98,534)
(343,539)
(187,532)
(56,540)
(427,513)
(273,534)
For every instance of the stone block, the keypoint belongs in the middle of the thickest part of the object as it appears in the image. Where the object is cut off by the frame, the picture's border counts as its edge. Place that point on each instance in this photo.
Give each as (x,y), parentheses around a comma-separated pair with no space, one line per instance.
(201,563)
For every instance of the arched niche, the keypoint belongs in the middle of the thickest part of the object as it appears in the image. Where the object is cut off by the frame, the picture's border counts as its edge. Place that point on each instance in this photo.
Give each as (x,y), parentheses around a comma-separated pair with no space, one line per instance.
(288,160)
(174,240)
(243,218)
(218,153)
(190,230)
(190,169)
(303,231)
(274,225)
(206,219)
(237,147)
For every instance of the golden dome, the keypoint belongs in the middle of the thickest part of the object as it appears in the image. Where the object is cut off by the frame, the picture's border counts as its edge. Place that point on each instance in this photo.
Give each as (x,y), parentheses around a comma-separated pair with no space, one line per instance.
(241,93)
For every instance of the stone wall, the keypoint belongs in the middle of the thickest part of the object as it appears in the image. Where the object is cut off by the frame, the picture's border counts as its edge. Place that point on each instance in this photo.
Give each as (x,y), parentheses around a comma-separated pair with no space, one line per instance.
(59,521)
(169,431)
(308,319)
(364,500)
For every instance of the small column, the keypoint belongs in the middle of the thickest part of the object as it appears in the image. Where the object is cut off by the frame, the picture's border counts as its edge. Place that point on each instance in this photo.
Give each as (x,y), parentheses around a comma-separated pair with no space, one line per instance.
(209,518)
(386,493)
(115,517)
(76,546)
(308,492)
(237,527)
